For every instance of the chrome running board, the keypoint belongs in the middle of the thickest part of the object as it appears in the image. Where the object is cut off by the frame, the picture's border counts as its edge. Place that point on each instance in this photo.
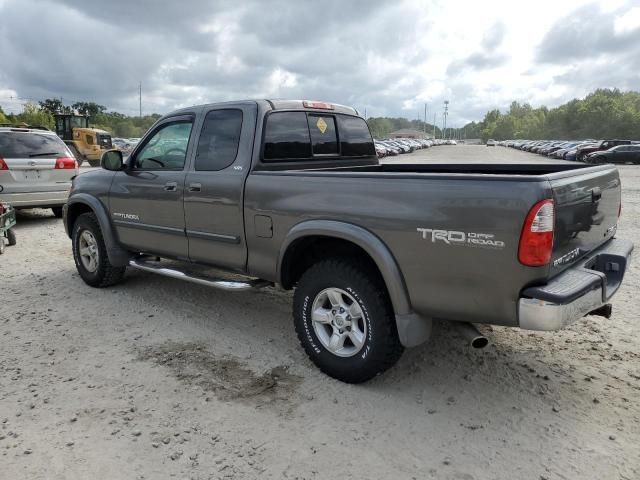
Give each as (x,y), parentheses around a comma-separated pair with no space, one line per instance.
(229,285)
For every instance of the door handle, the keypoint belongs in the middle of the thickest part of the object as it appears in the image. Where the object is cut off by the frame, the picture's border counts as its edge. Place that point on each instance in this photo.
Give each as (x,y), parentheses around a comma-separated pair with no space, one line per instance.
(171,186)
(195,187)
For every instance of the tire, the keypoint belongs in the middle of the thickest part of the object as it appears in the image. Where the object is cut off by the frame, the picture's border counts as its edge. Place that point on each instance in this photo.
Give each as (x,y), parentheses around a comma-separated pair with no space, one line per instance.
(77,154)
(2,244)
(103,274)
(57,212)
(380,348)
(11,236)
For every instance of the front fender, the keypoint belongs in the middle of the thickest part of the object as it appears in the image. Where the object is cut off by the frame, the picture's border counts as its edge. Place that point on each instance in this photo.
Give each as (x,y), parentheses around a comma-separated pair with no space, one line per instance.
(118,256)
(412,328)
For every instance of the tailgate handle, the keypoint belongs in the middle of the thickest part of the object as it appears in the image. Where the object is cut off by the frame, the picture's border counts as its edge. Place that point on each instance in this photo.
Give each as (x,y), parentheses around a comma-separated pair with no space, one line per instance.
(596,194)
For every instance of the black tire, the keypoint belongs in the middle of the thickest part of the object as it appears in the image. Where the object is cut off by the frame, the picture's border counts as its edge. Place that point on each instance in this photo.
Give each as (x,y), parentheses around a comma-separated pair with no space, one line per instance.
(2,245)
(105,273)
(11,236)
(76,153)
(57,212)
(381,348)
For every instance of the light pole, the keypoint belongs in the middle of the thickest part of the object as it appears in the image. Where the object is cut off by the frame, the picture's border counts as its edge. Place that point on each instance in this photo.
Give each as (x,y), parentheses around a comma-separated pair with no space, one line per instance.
(446,112)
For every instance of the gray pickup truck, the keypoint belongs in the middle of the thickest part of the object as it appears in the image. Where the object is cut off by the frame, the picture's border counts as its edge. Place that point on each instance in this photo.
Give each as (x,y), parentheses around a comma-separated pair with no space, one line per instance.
(292,193)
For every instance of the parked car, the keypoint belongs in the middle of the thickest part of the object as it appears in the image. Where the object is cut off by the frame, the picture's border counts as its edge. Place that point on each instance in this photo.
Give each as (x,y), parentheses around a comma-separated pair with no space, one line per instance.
(320,216)
(619,154)
(491,142)
(381,150)
(36,168)
(600,146)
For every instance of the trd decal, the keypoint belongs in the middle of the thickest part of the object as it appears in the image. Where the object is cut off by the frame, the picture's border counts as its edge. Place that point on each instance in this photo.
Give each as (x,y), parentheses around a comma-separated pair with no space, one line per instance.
(467,239)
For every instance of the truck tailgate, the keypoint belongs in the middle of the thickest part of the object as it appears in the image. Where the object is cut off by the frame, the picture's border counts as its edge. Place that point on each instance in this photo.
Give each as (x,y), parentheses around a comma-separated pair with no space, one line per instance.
(587,203)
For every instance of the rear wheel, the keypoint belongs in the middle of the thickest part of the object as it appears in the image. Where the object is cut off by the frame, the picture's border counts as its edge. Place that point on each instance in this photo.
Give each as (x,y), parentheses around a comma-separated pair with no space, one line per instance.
(57,211)
(77,154)
(11,237)
(90,253)
(345,321)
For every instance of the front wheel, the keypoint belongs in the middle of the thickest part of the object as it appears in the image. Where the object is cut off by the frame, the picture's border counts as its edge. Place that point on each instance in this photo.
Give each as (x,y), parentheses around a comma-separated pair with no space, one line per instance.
(90,253)
(11,237)
(345,321)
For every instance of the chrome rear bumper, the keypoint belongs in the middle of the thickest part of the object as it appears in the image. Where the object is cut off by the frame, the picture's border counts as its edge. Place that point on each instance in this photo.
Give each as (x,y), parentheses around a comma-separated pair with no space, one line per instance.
(574,293)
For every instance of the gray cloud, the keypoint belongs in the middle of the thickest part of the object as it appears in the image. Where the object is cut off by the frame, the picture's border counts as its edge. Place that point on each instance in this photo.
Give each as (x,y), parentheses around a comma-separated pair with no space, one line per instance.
(367,53)
(488,57)
(494,36)
(586,33)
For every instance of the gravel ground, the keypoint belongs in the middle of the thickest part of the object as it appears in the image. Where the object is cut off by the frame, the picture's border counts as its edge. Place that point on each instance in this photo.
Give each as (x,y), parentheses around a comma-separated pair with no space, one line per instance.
(161,379)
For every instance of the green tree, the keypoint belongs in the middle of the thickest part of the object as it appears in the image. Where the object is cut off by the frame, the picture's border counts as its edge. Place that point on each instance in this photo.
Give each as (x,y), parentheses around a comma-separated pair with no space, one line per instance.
(36,116)
(91,109)
(52,105)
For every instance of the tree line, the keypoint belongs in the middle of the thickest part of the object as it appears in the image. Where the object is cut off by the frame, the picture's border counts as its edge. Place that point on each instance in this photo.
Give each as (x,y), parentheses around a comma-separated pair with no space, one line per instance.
(604,113)
(118,124)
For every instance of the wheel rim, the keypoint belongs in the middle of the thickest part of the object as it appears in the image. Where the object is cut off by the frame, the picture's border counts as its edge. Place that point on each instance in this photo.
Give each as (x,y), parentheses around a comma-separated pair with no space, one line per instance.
(88,250)
(338,322)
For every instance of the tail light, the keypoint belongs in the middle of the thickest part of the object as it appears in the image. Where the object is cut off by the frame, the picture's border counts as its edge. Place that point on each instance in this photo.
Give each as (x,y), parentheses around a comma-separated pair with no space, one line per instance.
(3,164)
(66,163)
(536,240)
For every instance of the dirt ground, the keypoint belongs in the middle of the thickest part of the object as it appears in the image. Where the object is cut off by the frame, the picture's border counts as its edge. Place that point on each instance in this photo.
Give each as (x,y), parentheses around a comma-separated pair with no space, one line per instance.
(161,379)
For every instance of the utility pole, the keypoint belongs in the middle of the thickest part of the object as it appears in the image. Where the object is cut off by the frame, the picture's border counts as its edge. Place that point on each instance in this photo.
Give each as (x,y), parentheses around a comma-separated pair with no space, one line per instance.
(425,119)
(434,125)
(444,121)
(140,97)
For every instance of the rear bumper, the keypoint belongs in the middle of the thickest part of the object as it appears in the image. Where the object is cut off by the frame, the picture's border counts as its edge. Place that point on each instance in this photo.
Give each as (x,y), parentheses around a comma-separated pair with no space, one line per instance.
(35,199)
(583,288)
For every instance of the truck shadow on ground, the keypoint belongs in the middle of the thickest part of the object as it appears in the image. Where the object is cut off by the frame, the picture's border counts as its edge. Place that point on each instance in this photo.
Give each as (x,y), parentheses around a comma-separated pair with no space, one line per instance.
(444,366)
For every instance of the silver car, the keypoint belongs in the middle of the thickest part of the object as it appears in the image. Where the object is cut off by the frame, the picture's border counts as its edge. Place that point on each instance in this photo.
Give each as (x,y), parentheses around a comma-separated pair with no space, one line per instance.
(36,169)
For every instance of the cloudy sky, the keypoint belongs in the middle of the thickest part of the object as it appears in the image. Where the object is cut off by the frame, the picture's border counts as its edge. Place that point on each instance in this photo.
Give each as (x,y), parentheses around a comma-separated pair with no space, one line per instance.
(388,57)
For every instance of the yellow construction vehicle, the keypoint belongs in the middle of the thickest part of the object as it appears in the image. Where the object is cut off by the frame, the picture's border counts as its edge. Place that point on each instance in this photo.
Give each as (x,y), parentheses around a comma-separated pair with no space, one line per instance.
(85,143)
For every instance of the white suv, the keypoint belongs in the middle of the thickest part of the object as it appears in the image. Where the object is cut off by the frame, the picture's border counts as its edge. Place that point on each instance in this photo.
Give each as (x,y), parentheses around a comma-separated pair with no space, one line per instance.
(36,168)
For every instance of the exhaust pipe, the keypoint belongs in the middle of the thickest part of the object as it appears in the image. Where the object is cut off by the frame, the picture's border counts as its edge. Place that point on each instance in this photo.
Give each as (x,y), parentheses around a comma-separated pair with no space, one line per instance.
(472,335)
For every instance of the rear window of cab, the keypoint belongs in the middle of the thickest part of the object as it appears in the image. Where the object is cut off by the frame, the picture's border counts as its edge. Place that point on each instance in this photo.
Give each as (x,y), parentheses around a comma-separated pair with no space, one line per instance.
(311,135)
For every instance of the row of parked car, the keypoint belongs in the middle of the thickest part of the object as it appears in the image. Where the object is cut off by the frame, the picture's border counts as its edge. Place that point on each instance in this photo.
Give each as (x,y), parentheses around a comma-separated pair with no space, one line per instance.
(125,145)
(396,146)
(588,151)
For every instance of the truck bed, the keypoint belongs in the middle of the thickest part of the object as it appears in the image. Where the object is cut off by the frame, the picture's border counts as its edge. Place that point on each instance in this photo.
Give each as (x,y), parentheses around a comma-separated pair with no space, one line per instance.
(397,202)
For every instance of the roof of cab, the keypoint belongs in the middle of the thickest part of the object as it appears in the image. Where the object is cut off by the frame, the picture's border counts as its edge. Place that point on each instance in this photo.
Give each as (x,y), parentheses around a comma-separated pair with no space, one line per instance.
(273,104)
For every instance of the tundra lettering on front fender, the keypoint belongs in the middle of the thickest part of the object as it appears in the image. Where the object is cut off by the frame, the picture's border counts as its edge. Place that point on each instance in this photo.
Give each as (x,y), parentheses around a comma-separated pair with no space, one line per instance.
(454,237)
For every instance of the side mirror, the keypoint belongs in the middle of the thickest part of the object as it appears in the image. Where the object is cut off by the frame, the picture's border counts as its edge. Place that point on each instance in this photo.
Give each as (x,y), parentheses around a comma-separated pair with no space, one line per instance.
(112,160)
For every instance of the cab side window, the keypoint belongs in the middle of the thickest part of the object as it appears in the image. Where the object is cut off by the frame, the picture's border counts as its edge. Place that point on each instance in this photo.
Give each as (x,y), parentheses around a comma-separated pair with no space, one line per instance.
(166,149)
(219,140)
